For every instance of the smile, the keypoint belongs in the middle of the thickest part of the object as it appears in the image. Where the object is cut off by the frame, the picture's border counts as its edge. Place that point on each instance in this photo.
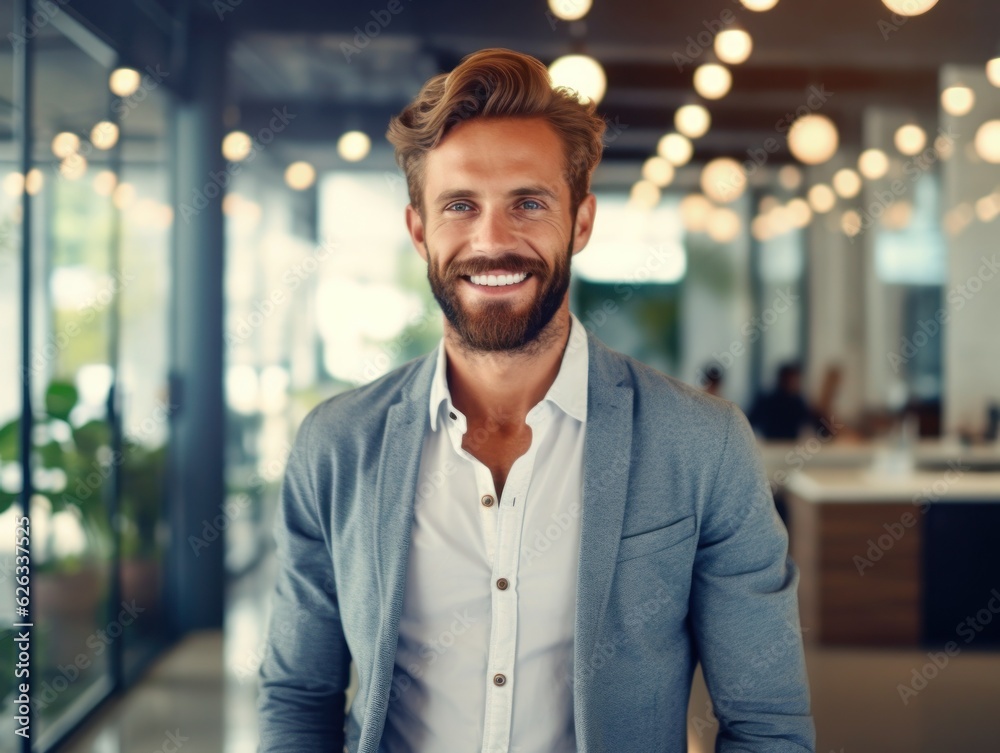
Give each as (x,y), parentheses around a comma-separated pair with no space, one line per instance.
(497,281)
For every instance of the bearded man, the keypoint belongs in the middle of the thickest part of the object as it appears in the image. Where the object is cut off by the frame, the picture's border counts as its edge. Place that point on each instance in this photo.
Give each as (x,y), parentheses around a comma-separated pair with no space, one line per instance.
(524,540)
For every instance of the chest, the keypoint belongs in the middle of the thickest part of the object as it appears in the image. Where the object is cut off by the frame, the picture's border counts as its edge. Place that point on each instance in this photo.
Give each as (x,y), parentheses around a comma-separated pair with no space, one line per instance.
(497,451)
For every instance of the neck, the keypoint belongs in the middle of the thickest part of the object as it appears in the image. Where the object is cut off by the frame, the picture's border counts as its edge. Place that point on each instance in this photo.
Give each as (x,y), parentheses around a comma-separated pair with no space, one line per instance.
(504,386)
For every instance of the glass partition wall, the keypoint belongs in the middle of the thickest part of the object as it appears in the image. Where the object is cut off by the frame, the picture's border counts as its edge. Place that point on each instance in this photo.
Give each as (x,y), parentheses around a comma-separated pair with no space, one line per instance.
(94,271)
(11,302)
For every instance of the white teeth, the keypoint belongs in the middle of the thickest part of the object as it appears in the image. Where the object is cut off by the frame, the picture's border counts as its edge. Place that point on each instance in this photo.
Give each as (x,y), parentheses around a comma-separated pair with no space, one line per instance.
(498,280)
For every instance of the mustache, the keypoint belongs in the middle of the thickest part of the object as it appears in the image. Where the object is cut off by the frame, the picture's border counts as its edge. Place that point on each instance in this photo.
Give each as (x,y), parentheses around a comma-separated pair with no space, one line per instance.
(511,262)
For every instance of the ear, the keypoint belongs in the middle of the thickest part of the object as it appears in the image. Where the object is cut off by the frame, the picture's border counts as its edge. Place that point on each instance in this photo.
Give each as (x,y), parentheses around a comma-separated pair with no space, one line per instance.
(415,226)
(584,225)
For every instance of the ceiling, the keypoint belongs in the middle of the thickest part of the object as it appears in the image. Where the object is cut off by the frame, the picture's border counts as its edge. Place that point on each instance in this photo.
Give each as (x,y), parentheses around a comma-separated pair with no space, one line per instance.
(293,55)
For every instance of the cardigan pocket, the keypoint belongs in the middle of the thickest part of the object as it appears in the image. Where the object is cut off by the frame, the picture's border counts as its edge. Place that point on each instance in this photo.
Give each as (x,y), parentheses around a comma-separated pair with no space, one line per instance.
(656,540)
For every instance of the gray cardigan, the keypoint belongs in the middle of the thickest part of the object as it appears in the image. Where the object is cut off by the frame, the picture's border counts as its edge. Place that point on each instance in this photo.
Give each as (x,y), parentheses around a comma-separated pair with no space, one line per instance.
(682,559)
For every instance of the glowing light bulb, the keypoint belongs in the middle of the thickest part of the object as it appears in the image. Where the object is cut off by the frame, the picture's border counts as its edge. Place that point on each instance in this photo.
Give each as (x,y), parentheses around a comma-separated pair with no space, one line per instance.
(909,7)
(658,170)
(354,146)
(300,175)
(64,144)
(723,180)
(910,139)
(993,71)
(813,139)
(988,141)
(693,121)
(733,46)
(712,81)
(104,135)
(847,183)
(675,149)
(873,163)
(822,198)
(695,210)
(645,194)
(581,74)
(958,100)
(124,82)
(236,146)
(570,10)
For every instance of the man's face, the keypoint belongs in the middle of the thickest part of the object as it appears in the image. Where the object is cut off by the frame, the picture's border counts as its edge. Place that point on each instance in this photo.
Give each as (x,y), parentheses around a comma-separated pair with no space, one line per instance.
(497,209)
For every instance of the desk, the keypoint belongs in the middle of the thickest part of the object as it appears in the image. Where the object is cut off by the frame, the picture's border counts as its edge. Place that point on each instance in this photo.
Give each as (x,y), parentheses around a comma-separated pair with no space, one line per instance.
(895,560)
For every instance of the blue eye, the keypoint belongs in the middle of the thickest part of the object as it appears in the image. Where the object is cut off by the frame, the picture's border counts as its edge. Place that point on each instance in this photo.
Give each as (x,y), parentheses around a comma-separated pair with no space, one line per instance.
(531,201)
(458,204)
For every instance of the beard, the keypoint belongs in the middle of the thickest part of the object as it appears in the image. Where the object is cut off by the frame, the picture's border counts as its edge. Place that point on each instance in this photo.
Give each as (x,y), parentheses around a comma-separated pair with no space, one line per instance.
(502,325)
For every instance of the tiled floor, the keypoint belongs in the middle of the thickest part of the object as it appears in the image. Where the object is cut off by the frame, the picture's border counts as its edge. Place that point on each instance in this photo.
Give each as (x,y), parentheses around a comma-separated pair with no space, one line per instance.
(204,690)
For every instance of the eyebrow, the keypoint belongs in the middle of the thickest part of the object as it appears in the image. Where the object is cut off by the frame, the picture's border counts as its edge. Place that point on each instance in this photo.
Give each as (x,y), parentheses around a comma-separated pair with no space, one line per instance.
(462,193)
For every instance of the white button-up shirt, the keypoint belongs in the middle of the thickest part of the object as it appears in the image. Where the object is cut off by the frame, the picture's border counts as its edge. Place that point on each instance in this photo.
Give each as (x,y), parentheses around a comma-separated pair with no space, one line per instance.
(484,660)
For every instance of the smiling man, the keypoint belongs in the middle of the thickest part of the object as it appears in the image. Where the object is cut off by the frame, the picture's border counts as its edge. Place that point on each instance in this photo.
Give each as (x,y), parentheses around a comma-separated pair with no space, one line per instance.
(523,540)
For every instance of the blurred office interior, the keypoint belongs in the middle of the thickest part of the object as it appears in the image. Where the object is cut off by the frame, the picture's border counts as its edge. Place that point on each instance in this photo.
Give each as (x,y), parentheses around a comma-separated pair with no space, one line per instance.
(202,237)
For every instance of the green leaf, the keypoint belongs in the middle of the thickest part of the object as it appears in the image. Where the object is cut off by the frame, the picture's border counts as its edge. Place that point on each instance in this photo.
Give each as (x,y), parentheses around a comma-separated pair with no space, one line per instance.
(60,398)
(10,440)
(91,436)
(51,455)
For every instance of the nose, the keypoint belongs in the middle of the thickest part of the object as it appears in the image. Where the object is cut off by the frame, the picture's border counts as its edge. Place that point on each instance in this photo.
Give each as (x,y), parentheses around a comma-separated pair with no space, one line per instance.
(494,232)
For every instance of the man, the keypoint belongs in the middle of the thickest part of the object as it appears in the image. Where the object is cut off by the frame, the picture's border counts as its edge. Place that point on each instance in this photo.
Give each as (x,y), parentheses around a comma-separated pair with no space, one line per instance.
(524,540)
(783,413)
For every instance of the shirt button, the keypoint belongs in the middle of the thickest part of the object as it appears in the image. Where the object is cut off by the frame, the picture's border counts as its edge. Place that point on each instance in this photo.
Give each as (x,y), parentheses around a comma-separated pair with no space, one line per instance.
(502,584)
(499,679)
(487,500)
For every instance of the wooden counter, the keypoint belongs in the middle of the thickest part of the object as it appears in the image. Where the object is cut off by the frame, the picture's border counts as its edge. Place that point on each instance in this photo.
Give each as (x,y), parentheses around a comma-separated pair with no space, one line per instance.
(893,560)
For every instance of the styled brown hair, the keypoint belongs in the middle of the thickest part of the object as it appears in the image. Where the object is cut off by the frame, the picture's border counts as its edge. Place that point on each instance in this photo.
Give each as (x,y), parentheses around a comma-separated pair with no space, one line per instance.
(496,83)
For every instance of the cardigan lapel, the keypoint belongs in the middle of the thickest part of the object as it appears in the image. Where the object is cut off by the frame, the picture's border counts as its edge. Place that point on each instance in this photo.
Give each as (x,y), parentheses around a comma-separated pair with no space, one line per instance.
(407,421)
(607,458)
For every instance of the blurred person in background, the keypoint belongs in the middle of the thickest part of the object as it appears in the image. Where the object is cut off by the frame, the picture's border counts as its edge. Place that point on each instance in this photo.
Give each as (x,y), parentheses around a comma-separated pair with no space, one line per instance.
(711,379)
(524,540)
(783,413)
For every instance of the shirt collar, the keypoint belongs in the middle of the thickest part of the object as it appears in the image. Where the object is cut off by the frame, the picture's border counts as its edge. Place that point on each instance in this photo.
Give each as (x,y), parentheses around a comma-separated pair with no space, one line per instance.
(568,391)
